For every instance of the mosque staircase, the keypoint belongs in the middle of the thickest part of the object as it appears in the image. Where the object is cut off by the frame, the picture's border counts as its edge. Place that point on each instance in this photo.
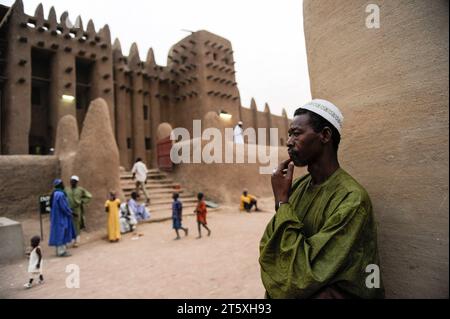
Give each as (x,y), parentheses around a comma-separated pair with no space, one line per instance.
(160,189)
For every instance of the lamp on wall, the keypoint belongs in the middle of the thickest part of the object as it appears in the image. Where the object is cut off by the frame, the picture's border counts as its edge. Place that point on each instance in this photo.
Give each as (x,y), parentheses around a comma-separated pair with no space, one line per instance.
(225,115)
(68,98)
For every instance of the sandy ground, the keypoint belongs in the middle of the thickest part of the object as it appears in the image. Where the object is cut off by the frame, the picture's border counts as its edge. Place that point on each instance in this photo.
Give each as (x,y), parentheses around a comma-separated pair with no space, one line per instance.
(155,265)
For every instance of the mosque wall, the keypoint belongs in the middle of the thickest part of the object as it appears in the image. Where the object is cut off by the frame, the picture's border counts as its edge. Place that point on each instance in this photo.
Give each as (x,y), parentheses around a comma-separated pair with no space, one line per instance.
(23,178)
(391,84)
(83,65)
(45,61)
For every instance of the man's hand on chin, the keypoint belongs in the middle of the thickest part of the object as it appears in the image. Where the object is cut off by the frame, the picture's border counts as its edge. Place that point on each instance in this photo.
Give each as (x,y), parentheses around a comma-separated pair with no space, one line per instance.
(282,181)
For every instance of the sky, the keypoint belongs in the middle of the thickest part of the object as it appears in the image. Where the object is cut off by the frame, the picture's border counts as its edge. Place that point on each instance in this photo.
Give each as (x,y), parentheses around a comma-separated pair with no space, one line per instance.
(266,35)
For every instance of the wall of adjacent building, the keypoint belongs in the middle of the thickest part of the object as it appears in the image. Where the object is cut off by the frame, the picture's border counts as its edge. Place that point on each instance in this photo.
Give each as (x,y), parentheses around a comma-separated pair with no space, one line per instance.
(23,178)
(392,86)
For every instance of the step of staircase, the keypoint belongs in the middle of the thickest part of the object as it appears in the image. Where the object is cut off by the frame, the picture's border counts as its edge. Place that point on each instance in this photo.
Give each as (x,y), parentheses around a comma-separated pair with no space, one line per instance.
(126,186)
(149,182)
(154,175)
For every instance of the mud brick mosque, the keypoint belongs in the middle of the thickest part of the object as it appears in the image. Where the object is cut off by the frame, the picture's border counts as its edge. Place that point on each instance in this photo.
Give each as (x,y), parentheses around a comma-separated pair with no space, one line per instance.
(49,68)
(391,84)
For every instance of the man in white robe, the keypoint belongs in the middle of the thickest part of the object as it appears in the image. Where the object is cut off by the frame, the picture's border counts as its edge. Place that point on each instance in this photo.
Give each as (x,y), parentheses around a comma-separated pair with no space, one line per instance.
(239,133)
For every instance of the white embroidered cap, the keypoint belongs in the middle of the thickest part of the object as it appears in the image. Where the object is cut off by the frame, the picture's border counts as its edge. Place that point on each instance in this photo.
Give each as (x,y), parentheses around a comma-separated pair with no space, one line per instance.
(327,110)
(75,178)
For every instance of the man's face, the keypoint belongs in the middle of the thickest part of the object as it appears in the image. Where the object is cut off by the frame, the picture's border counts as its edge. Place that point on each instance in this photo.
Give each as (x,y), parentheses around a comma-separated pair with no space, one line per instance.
(304,145)
(73,183)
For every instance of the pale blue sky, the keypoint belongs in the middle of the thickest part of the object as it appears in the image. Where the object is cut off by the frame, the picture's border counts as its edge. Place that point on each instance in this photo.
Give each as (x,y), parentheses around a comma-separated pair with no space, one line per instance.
(267,37)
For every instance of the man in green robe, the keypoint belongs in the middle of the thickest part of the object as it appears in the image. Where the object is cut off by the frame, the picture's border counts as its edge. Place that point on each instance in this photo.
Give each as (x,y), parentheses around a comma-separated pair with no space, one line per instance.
(78,197)
(322,241)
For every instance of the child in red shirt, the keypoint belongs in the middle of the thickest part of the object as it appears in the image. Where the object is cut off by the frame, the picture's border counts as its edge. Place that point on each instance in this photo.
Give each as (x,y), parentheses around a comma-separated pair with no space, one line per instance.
(201,215)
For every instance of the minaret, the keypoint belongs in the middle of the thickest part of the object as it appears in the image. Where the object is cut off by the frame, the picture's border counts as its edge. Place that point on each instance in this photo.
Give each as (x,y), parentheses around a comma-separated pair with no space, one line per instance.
(151,70)
(122,100)
(138,141)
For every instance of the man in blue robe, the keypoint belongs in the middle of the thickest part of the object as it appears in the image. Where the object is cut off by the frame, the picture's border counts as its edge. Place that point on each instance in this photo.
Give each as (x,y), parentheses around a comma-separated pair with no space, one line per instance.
(62,230)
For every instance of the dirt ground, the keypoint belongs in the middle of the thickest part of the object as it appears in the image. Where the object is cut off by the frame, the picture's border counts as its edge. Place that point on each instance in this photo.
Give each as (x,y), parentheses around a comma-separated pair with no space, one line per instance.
(224,265)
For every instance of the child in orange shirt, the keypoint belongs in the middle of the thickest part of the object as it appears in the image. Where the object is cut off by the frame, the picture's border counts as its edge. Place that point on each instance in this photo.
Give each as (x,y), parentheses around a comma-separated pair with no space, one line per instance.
(201,215)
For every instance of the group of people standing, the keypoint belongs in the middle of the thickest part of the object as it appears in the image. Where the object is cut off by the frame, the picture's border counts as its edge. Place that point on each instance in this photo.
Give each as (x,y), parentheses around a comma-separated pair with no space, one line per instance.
(67,216)
(67,219)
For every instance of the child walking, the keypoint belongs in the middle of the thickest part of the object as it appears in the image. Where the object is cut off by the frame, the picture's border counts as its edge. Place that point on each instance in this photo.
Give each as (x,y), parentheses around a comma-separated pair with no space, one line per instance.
(112,207)
(35,262)
(201,214)
(177,216)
